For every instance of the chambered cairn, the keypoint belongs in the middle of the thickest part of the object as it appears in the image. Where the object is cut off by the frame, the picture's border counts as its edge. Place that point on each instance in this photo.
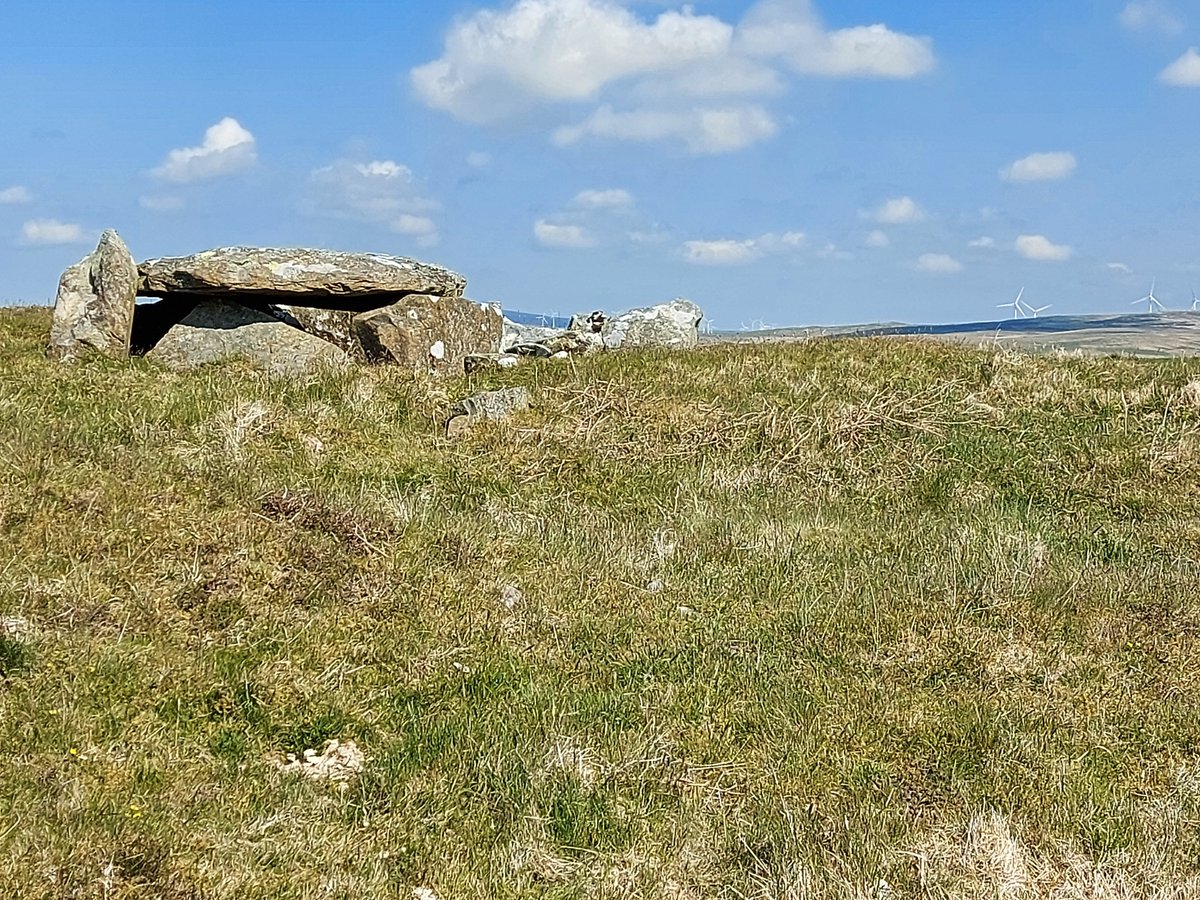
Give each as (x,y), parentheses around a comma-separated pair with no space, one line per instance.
(296,311)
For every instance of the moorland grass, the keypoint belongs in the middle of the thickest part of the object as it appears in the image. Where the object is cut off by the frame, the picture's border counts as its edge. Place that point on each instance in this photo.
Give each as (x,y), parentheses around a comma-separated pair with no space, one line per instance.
(864,618)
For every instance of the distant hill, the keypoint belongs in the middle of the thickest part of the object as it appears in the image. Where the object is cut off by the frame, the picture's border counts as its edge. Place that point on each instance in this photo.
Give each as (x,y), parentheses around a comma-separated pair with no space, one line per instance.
(1159,334)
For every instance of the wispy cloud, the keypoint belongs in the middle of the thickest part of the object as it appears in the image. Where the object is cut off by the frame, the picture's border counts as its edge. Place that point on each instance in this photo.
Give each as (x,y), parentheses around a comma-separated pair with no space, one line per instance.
(51,231)
(1041,167)
(574,237)
(1184,72)
(1150,15)
(721,252)
(161,202)
(1041,249)
(897,211)
(938,264)
(732,252)
(227,148)
(380,190)
(607,199)
(982,243)
(16,194)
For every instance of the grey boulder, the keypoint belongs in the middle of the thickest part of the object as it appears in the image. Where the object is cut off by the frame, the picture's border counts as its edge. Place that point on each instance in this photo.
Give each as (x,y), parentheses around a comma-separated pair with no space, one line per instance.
(295,273)
(215,331)
(93,310)
(428,333)
(675,324)
(491,406)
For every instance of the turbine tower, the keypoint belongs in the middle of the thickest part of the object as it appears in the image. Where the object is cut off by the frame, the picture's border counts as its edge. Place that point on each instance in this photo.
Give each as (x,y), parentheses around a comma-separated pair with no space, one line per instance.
(1150,300)
(1016,306)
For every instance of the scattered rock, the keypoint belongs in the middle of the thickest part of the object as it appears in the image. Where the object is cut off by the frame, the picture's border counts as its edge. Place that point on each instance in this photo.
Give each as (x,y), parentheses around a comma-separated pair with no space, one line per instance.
(489,405)
(486,362)
(592,323)
(426,332)
(516,333)
(93,310)
(293,273)
(338,761)
(216,330)
(675,324)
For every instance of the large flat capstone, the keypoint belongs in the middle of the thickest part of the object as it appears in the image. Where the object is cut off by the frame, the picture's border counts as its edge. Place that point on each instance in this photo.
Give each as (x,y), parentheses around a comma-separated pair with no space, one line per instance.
(295,276)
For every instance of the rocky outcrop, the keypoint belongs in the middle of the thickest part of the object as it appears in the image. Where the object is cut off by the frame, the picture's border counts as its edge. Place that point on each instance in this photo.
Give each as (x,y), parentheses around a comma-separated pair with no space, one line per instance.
(431,333)
(295,275)
(217,330)
(487,406)
(675,324)
(93,310)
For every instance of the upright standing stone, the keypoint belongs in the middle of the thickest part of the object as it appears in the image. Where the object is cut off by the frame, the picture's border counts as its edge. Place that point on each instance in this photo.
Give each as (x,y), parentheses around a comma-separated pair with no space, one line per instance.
(428,333)
(93,310)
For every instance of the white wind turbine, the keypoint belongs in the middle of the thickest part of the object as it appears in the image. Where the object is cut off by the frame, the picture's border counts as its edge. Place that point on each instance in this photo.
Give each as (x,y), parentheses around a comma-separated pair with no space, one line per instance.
(1195,301)
(1016,306)
(1034,310)
(1150,300)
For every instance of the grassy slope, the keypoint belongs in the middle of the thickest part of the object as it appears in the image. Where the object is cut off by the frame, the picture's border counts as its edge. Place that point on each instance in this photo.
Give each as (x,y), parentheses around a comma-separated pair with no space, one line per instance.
(928,616)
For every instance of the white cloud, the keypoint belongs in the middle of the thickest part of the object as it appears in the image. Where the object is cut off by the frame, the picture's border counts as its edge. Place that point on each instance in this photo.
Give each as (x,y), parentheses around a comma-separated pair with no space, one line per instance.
(1184,72)
(575,237)
(420,227)
(727,252)
(701,130)
(1118,267)
(52,231)
(610,199)
(983,243)
(558,50)
(791,30)
(160,203)
(381,191)
(227,148)
(898,211)
(15,194)
(832,251)
(878,239)
(1040,167)
(1040,248)
(720,253)
(672,76)
(1150,15)
(939,264)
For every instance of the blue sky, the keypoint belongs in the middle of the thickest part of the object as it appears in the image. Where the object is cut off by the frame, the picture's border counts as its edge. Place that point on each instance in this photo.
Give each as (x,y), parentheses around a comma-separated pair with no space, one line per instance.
(777,161)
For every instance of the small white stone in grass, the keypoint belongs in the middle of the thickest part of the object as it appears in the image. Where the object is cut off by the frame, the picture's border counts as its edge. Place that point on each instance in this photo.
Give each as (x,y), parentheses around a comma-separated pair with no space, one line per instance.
(14,626)
(465,670)
(337,761)
(688,612)
(438,350)
(508,362)
(655,586)
(562,354)
(511,597)
(424,893)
